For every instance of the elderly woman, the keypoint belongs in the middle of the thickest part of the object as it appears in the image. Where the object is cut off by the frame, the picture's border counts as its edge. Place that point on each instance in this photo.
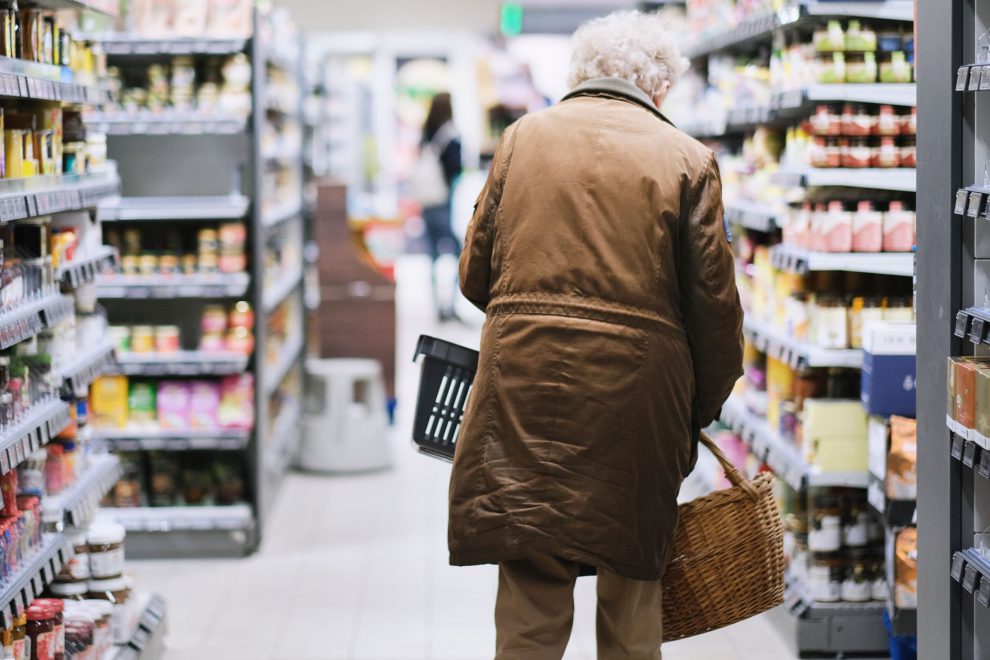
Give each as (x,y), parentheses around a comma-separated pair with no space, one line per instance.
(613,335)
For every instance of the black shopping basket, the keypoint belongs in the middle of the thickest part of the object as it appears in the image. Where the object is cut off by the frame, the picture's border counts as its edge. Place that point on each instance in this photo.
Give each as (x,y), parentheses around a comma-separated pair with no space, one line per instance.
(444,385)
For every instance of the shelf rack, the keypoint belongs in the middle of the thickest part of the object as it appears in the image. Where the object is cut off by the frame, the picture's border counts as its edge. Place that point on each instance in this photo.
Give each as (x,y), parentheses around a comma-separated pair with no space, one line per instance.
(87,367)
(148,640)
(205,285)
(796,353)
(798,260)
(752,215)
(77,504)
(83,270)
(42,422)
(155,439)
(32,576)
(119,123)
(202,531)
(130,45)
(897,179)
(44,82)
(172,208)
(181,363)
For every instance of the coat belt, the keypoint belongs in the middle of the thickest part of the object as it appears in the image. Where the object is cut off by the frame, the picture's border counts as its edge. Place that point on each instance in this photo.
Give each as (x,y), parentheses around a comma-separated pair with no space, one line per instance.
(594,309)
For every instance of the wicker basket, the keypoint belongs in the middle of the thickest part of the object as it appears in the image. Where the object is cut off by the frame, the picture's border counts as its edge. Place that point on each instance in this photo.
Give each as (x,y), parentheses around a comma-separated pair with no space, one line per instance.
(728,559)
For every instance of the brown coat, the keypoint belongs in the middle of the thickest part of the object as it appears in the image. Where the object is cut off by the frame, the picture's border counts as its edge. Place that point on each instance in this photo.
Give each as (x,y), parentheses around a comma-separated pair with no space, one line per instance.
(613,334)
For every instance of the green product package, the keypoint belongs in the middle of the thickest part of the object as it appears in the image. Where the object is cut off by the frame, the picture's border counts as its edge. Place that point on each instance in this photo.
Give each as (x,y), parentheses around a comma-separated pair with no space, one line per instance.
(142,401)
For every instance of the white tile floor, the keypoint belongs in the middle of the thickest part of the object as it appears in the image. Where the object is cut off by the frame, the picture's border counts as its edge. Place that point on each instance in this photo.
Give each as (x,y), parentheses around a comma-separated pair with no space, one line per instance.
(355,567)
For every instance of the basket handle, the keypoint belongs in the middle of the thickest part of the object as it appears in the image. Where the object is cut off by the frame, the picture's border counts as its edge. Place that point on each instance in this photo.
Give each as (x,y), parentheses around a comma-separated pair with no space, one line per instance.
(732,473)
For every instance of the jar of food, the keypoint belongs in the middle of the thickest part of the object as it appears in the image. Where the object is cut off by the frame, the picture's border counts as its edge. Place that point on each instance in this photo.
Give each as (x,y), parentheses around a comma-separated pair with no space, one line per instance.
(240,340)
(831,323)
(836,228)
(148,264)
(143,339)
(129,265)
(167,339)
(856,523)
(833,152)
(241,316)
(208,242)
(69,591)
(898,309)
(106,550)
(20,638)
(888,123)
(858,121)
(895,68)
(829,39)
(232,262)
(831,68)
(909,151)
(825,530)
(861,68)
(881,590)
(77,568)
(190,265)
(79,639)
(233,235)
(858,153)
(57,610)
(857,587)
(209,263)
(168,264)
(820,121)
(889,155)
(103,613)
(860,37)
(116,592)
(214,319)
(825,577)
(909,122)
(818,153)
(212,342)
(867,225)
(898,228)
(41,632)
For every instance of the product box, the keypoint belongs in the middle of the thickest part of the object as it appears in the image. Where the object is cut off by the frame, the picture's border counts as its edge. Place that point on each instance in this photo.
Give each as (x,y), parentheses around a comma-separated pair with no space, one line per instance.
(902,459)
(108,401)
(889,369)
(878,432)
(950,388)
(835,432)
(903,564)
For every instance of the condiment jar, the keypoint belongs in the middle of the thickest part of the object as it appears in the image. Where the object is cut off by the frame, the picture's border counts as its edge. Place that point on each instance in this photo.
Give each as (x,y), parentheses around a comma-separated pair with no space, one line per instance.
(898,228)
(889,155)
(888,123)
(241,316)
(867,224)
(103,614)
(22,649)
(57,610)
(833,152)
(214,319)
(106,550)
(143,339)
(41,632)
(836,229)
(825,577)
(70,591)
(116,592)
(825,534)
(858,153)
(909,151)
(856,526)
(857,586)
(167,339)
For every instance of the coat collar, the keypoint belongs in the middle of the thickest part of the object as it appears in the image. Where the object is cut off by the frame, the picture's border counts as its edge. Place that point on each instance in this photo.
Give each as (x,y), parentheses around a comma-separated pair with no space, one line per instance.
(616,88)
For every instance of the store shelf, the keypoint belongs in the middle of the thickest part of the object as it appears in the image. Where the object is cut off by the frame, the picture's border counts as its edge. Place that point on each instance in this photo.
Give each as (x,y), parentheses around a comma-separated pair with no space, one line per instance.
(130,209)
(973,78)
(284,439)
(154,439)
(30,317)
(971,569)
(180,518)
(288,282)
(76,505)
(87,367)
(971,448)
(182,363)
(798,354)
(973,325)
(30,579)
(206,285)
(276,373)
(42,422)
(282,213)
(759,29)
(46,82)
(148,640)
(752,215)
(45,195)
(901,179)
(782,457)
(972,201)
(798,260)
(895,513)
(124,44)
(165,123)
(797,598)
(107,7)
(83,270)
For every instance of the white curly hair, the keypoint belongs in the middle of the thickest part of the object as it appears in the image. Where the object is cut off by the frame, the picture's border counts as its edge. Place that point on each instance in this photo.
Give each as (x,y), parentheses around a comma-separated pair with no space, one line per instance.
(630,45)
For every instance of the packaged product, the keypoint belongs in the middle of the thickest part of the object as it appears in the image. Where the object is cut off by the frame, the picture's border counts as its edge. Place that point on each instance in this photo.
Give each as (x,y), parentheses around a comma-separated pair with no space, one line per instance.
(836,229)
(108,401)
(151,17)
(129,490)
(236,409)
(197,481)
(867,228)
(163,478)
(963,385)
(228,474)
(204,404)
(898,228)
(173,405)
(906,569)
(902,459)
(141,402)
(230,18)
(189,17)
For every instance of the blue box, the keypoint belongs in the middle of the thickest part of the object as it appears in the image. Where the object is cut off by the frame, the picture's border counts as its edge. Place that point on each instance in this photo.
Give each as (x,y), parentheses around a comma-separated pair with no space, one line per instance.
(889,369)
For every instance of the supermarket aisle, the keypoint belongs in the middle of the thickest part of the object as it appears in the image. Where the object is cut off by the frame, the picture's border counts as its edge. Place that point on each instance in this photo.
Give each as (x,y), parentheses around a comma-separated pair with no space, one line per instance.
(355,567)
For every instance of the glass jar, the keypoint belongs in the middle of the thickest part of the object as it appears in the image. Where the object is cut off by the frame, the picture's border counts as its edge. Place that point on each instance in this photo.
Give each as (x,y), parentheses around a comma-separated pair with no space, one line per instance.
(41,632)
(106,550)
(895,68)
(898,228)
(857,120)
(167,339)
(825,577)
(861,68)
(858,153)
(214,319)
(142,339)
(888,123)
(103,614)
(825,530)
(817,152)
(856,523)
(857,586)
(888,155)
(57,610)
(70,591)
(898,309)
(867,225)
(860,37)
(116,592)
(819,121)
(909,151)
(241,316)
(148,264)
(833,152)
(80,639)
(22,650)
(831,68)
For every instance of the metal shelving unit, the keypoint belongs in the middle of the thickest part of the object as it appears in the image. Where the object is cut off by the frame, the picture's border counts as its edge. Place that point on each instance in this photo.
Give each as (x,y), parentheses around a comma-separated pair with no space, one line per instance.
(165,123)
(796,353)
(77,504)
(32,576)
(896,179)
(798,260)
(87,367)
(143,287)
(175,207)
(181,363)
(157,439)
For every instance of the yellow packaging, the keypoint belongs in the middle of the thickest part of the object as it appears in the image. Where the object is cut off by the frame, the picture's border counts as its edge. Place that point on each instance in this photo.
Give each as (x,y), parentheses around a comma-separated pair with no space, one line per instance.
(108,401)
(50,119)
(13,144)
(780,388)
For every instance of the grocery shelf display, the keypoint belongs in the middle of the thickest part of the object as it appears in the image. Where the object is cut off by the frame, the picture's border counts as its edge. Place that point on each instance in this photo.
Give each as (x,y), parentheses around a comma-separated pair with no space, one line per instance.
(206,304)
(811,110)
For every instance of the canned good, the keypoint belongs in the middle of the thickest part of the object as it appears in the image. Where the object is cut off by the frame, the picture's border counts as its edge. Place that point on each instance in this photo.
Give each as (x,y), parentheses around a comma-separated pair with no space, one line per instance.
(143,339)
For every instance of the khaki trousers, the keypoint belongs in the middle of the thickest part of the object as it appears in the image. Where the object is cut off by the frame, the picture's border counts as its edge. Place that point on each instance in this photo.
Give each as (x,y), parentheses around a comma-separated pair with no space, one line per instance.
(535,610)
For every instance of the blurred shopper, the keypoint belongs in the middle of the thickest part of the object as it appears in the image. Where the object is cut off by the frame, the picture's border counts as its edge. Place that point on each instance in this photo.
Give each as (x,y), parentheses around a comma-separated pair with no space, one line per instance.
(433,179)
(613,335)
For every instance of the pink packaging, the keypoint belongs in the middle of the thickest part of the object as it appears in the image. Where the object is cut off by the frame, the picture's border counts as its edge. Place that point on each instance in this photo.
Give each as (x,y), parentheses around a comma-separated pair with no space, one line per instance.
(173,405)
(237,402)
(836,230)
(867,224)
(898,229)
(204,404)
(816,240)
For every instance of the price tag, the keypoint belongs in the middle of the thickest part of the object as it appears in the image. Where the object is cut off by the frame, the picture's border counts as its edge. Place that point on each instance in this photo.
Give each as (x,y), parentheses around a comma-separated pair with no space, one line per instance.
(957,447)
(962,324)
(975,76)
(958,563)
(962,197)
(985,78)
(977,330)
(970,576)
(969,454)
(984,470)
(962,78)
(975,204)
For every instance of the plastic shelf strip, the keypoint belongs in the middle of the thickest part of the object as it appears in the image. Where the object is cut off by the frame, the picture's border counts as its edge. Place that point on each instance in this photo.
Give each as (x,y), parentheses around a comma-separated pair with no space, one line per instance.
(798,354)
(76,505)
(155,439)
(194,207)
(794,259)
(181,363)
(31,578)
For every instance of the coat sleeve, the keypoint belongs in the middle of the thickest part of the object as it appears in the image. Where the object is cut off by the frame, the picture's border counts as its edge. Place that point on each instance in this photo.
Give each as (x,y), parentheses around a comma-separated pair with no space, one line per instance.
(709,299)
(476,259)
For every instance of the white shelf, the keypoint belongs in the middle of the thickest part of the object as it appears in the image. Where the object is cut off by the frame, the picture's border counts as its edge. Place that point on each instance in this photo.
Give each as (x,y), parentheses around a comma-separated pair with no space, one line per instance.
(796,353)
(47,82)
(792,258)
(901,179)
(752,215)
(165,123)
(223,207)
(798,597)
(214,285)
(83,270)
(885,10)
(124,44)
(87,367)
(28,318)
(107,7)
(782,457)
(182,363)
(42,422)
(45,195)
(32,576)
(236,517)
(156,439)
(289,357)
(283,288)
(902,94)
(75,506)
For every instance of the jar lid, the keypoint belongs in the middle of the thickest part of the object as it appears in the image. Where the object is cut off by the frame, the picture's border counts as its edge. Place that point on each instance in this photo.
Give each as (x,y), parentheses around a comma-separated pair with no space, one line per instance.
(63,589)
(111,584)
(106,533)
(54,604)
(37,613)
